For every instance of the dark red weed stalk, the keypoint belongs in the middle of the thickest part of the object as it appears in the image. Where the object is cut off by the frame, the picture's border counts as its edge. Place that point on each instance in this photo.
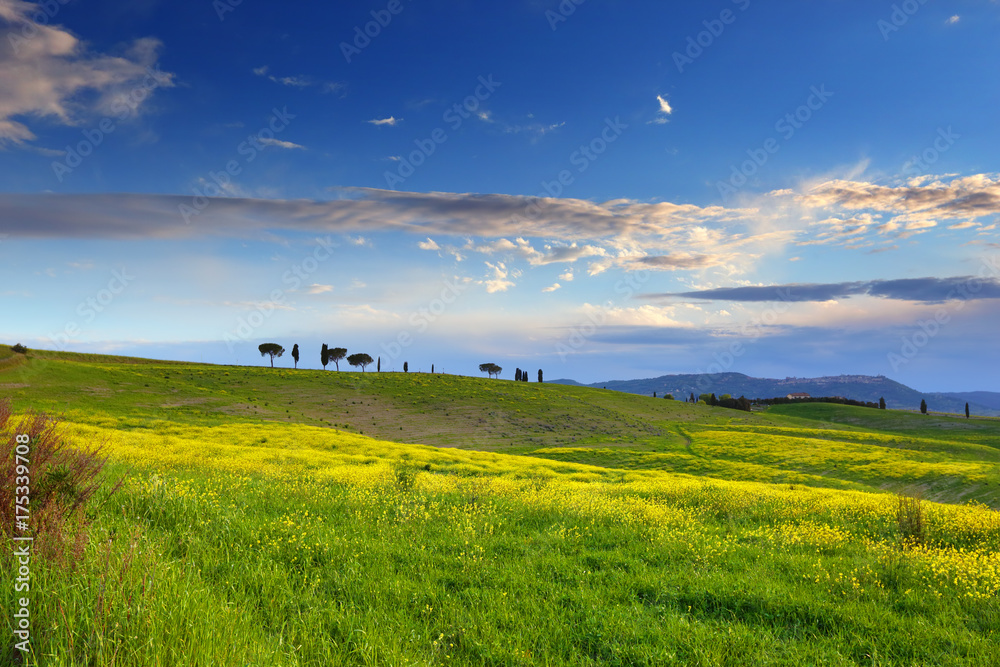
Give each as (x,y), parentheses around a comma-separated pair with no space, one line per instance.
(61,480)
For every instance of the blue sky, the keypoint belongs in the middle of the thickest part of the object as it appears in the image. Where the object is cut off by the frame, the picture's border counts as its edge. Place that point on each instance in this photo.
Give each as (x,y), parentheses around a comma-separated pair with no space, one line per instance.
(597,188)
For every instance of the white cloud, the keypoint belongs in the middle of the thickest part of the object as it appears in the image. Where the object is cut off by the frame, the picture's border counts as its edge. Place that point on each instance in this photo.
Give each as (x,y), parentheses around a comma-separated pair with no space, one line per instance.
(360,241)
(567,276)
(665,110)
(567,253)
(390,121)
(429,244)
(953,20)
(664,105)
(45,71)
(278,143)
(646,315)
(316,288)
(552,288)
(497,279)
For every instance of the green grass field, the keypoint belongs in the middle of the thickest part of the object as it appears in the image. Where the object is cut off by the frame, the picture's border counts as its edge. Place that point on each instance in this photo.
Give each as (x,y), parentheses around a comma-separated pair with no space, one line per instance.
(281,517)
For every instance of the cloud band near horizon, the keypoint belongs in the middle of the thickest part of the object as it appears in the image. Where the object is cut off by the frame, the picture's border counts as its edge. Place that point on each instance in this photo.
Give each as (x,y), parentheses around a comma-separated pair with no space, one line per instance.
(925,290)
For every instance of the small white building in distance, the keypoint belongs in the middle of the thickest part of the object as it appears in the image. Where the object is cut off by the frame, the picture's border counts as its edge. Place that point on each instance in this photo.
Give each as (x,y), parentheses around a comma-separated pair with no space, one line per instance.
(794,396)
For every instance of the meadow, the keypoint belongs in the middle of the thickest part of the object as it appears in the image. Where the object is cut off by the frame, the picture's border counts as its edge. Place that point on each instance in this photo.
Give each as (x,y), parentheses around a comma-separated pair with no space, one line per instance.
(318,518)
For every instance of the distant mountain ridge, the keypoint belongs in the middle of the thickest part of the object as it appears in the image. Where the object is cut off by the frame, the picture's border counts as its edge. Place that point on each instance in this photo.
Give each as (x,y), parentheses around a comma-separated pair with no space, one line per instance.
(990,399)
(857,387)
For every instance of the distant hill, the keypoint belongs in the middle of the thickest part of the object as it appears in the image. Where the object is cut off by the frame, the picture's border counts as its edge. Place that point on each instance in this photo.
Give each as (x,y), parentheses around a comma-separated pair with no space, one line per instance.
(857,387)
(990,399)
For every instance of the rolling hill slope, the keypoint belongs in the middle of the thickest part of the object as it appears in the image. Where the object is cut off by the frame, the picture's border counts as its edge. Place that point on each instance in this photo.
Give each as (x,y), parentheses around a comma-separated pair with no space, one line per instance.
(946,459)
(501,523)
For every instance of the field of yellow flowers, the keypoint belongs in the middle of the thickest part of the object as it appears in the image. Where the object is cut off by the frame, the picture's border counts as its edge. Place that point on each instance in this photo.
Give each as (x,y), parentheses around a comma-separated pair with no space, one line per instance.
(249,543)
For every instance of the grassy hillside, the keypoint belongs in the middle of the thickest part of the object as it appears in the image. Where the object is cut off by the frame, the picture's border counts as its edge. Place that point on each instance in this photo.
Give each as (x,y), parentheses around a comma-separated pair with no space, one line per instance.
(259,525)
(942,458)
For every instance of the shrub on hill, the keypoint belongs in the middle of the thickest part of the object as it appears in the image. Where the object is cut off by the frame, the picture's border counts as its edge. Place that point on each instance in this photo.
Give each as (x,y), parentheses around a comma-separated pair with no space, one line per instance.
(741,403)
(20,349)
(784,400)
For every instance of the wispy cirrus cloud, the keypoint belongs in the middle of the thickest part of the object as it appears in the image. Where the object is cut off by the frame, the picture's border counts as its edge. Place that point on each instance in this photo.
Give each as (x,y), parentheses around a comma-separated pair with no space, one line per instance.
(391,121)
(278,143)
(298,81)
(537,129)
